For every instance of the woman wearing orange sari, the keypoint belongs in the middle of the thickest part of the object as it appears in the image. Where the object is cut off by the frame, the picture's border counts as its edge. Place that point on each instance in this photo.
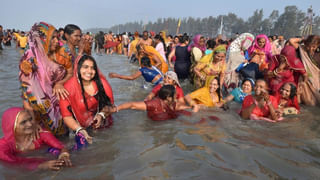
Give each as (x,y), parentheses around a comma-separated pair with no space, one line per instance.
(154,56)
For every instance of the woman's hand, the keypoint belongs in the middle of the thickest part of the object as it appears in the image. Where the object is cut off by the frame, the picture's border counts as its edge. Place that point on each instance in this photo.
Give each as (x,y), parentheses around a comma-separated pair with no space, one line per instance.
(52,165)
(195,108)
(65,157)
(60,91)
(86,135)
(171,65)
(97,121)
(112,75)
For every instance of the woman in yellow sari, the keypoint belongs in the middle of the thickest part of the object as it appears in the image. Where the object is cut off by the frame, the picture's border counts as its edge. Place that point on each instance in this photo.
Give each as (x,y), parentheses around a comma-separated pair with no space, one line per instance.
(211,65)
(208,96)
(154,56)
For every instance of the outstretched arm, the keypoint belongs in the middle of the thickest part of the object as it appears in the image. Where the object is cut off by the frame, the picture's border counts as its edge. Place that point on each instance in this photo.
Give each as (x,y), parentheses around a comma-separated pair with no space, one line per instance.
(140,105)
(131,77)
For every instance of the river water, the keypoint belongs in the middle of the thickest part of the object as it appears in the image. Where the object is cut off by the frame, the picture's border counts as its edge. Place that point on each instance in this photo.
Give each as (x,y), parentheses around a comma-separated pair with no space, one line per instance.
(211,144)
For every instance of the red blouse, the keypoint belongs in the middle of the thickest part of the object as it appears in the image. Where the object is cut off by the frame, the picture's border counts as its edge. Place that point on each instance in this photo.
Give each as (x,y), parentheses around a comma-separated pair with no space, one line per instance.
(261,112)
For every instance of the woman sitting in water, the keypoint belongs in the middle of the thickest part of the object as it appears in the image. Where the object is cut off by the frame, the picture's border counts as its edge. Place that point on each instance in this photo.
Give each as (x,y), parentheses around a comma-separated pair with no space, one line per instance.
(150,73)
(89,100)
(163,107)
(260,106)
(208,96)
(170,78)
(287,99)
(238,94)
(21,135)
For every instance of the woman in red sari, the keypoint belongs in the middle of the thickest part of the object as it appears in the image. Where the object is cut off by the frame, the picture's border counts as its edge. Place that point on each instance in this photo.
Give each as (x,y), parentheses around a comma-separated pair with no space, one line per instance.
(285,68)
(260,106)
(21,135)
(89,100)
(287,99)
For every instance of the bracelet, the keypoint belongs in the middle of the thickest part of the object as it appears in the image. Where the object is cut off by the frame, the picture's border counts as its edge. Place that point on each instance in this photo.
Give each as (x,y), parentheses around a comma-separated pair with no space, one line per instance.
(117,110)
(63,154)
(101,114)
(79,129)
(268,103)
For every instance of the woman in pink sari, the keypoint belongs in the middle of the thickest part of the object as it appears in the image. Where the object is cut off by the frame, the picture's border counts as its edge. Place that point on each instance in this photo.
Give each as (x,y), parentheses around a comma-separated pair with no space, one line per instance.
(21,135)
(260,51)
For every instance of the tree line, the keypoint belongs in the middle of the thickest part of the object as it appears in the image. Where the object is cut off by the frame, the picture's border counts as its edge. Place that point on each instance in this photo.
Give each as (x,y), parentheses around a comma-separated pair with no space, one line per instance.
(289,24)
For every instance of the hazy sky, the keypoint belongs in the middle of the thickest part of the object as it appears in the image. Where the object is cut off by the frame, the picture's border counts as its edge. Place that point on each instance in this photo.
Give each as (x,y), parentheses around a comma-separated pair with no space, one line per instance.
(22,14)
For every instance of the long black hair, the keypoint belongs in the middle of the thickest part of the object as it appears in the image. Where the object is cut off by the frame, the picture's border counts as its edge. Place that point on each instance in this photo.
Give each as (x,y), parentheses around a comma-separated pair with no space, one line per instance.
(218,89)
(69,29)
(101,96)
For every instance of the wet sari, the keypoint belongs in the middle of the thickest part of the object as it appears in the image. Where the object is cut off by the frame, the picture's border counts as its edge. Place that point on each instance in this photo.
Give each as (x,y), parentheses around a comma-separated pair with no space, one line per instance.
(8,150)
(38,74)
(290,74)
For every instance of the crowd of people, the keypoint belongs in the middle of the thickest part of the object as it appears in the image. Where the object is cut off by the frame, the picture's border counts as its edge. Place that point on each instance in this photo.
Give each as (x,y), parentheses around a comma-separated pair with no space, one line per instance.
(63,89)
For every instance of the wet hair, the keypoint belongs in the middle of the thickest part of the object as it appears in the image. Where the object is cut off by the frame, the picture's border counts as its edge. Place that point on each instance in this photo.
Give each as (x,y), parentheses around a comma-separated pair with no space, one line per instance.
(166,91)
(101,96)
(293,90)
(69,29)
(211,43)
(263,80)
(145,61)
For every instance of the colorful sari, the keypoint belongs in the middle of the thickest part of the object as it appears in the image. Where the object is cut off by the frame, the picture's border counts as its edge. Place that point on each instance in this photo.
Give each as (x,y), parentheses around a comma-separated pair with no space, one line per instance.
(151,51)
(208,68)
(38,74)
(290,74)
(263,55)
(310,91)
(235,57)
(8,151)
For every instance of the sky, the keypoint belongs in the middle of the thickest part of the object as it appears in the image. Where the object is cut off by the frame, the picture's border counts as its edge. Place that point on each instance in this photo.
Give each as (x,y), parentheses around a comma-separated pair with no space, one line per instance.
(22,14)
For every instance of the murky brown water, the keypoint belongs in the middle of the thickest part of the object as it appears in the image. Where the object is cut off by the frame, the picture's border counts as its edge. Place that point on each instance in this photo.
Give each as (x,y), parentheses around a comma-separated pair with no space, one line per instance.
(191,147)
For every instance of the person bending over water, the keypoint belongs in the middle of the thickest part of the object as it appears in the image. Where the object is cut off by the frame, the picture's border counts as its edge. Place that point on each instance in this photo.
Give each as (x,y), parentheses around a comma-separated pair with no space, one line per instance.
(21,134)
(260,106)
(150,73)
(162,107)
(89,101)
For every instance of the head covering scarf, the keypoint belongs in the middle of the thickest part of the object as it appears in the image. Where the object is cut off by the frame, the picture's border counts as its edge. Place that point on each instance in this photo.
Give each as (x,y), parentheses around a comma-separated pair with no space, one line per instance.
(172,75)
(151,51)
(241,43)
(210,57)
(267,47)
(38,74)
(8,151)
(195,43)
(75,97)
(164,37)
